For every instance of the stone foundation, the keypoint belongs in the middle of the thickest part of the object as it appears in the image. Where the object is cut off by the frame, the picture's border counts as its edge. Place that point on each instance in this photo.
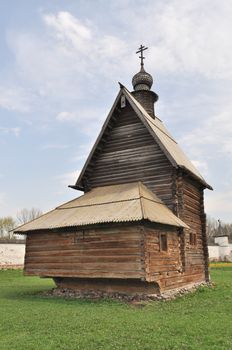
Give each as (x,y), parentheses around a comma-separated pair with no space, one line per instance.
(131,298)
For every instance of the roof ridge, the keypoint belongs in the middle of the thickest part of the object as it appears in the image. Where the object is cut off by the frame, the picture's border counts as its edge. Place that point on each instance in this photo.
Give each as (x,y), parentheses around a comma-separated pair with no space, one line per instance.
(142,204)
(102,203)
(109,202)
(140,199)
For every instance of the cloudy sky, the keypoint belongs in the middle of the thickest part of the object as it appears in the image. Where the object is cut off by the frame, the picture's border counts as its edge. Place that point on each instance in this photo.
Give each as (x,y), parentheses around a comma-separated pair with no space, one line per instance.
(60,61)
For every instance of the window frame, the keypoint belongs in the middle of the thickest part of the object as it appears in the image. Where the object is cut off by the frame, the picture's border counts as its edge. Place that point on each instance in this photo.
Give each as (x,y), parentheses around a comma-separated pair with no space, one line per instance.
(192,239)
(163,245)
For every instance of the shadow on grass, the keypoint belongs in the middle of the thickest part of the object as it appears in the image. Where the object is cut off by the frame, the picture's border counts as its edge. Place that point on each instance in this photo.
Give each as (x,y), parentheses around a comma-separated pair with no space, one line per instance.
(37,296)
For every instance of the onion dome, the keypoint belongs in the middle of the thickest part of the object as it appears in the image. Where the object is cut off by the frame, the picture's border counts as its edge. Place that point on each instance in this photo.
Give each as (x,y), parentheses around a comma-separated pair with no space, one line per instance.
(142,80)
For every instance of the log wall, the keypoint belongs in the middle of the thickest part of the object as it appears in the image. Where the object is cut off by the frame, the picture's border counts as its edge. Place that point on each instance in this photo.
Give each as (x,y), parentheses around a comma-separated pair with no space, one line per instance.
(106,252)
(167,267)
(163,267)
(191,211)
(128,153)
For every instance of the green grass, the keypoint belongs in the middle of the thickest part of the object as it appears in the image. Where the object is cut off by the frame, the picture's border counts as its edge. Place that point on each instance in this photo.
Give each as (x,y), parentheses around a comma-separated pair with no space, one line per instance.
(202,320)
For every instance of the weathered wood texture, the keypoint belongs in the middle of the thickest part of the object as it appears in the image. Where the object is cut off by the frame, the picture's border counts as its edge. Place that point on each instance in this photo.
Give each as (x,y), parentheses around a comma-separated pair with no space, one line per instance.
(147,99)
(129,153)
(191,211)
(107,252)
(166,267)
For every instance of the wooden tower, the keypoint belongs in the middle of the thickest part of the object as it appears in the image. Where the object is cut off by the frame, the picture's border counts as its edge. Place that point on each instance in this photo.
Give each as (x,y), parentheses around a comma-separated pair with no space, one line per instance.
(140,225)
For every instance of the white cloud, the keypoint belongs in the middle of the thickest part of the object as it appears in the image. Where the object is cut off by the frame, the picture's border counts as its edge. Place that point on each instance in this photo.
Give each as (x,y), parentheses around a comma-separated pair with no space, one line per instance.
(82,152)
(87,114)
(14,99)
(202,166)
(2,198)
(4,205)
(219,204)
(186,36)
(61,62)
(54,146)
(66,116)
(68,178)
(15,131)
(212,136)
(88,119)
(84,40)
(75,55)
(68,28)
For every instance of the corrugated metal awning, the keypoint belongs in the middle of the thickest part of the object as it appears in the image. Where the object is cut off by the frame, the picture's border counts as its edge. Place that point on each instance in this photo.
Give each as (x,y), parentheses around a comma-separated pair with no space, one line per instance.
(118,203)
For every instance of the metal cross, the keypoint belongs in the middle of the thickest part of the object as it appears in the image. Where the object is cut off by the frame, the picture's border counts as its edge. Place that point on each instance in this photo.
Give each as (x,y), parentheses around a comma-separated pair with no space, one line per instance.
(140,50)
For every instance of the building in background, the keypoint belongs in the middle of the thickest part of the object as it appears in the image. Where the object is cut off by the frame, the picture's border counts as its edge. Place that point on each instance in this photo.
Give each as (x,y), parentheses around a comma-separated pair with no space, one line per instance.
(220,249)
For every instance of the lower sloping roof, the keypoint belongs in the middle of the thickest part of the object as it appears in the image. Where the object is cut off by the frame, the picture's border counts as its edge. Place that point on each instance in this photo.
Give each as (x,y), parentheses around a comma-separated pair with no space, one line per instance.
(108,204)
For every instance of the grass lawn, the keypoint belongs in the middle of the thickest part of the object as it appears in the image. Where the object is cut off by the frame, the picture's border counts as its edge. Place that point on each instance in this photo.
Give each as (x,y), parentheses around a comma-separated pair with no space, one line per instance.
(199,321)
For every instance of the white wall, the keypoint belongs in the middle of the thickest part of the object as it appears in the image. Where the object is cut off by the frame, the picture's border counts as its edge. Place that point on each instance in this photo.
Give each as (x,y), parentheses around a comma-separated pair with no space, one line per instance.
(12,254)
(213,252)
(225,252)
(220,253)
(222,241)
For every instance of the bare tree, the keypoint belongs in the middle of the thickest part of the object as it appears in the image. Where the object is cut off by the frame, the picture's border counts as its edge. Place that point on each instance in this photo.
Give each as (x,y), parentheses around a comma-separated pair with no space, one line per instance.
(7,224)
(226,229)
(26,215)
(211,227)
(217,228)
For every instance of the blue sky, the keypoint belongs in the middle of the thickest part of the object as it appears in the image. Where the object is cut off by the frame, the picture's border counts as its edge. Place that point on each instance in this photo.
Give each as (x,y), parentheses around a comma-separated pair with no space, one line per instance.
(60,61)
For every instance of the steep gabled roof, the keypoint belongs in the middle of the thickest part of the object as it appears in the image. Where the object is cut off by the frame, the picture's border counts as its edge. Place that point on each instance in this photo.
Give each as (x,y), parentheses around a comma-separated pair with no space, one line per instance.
(158,131)
(108,204)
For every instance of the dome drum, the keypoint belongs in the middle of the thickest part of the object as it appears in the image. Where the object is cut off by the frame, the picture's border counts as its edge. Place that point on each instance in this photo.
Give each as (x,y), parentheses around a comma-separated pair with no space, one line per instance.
(142,80)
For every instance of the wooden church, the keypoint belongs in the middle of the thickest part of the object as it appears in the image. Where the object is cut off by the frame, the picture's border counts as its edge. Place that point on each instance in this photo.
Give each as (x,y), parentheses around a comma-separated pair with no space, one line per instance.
(140,226)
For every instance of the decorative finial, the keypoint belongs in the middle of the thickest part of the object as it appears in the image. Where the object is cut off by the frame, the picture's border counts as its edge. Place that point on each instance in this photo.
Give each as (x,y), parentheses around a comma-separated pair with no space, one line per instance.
(141,50)
(142,80)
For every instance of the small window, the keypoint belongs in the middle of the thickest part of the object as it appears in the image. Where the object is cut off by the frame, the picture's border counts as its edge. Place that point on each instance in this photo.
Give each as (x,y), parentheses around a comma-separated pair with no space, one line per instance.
(193,239)
(163,242)
(123,101)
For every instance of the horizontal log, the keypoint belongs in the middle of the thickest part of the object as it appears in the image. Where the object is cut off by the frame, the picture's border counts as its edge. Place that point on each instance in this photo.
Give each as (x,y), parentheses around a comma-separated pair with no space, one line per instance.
(69,251)
(162,268)
(82,259)
(140,164)
(86,238)
(149,150)
(129,174)
(96,266)
(107,243)
(89,274)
